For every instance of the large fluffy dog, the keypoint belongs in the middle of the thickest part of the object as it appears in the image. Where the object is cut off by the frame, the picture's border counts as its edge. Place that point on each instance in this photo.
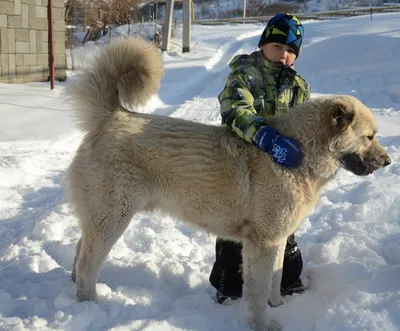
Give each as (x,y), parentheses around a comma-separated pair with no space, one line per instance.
(204,175)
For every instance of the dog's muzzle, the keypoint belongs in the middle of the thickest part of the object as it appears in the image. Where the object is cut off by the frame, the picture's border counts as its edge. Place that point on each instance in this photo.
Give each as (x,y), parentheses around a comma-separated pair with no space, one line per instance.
(353,163)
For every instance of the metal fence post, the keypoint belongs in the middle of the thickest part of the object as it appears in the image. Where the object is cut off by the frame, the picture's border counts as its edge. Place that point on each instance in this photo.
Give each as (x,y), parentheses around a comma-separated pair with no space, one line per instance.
(187,17)
(167,30)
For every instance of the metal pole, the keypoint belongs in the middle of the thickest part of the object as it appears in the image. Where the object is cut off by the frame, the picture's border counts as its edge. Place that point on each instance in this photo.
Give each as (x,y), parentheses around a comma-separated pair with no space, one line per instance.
(155,21)
(186,26)
(244,10)
(51,43)
(156,12)
(167,29)
(371,8)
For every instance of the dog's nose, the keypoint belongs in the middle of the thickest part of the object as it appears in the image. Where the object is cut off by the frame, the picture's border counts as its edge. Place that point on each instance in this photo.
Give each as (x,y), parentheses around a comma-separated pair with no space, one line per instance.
(386,160)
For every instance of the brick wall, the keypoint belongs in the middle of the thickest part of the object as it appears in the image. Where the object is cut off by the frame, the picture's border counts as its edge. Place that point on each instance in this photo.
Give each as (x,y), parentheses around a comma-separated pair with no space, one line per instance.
(24,48)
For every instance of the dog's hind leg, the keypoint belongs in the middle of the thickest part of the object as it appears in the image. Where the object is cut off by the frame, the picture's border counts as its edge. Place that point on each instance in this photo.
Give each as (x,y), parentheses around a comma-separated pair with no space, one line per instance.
(77,250)
(97,240)
(258,263)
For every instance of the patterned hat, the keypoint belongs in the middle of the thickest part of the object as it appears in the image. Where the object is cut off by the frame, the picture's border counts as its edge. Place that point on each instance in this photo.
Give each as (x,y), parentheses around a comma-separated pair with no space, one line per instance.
(285,29)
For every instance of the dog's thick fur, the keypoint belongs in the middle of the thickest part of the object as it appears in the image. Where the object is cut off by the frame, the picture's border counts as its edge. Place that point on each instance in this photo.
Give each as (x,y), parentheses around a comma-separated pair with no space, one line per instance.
(204,175)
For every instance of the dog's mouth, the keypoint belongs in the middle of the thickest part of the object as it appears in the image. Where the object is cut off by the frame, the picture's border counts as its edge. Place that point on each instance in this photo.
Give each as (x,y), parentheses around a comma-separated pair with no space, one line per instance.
(353,163)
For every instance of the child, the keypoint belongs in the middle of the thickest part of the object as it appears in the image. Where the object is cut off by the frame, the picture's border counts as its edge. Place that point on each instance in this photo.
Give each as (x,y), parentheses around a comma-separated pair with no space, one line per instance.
(261,85)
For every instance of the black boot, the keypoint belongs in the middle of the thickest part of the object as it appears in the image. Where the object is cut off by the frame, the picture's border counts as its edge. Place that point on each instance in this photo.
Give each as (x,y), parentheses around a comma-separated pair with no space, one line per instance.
(226,274)
(292,267)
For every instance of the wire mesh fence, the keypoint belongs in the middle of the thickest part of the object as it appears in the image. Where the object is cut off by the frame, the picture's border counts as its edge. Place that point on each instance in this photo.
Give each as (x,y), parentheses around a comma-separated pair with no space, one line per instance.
(92,24)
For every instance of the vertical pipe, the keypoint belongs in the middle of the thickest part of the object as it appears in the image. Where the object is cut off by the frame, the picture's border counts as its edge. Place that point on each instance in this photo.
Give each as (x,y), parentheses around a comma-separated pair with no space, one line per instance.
(51,43)
(155,22)
(167,29)
(186,26)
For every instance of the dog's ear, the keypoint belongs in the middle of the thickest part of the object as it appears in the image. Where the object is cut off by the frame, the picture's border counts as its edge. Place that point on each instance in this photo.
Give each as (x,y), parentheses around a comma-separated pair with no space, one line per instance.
(341,117)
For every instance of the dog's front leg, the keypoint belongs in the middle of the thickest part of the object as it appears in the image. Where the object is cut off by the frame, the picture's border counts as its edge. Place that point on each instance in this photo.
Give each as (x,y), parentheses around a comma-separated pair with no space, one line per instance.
(275,298)
(258,263)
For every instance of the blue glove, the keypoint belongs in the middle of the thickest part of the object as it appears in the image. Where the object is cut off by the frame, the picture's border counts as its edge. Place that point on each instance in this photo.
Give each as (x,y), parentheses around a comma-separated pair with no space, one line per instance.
(284,150)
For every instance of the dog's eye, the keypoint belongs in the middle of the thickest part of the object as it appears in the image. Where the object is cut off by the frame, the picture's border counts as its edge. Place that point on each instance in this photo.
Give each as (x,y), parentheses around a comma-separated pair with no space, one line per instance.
(370,137)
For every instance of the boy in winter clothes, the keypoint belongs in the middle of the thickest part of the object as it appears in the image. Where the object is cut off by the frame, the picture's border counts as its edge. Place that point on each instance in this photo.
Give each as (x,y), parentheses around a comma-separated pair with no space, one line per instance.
(261,85)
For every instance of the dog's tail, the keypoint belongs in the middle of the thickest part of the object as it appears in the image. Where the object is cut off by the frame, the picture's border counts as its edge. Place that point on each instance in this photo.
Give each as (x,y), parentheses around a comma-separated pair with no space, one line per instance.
(127,72)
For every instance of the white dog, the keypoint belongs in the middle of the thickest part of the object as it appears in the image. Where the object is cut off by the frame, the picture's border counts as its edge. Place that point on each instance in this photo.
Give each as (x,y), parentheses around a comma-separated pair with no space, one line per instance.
(204,175)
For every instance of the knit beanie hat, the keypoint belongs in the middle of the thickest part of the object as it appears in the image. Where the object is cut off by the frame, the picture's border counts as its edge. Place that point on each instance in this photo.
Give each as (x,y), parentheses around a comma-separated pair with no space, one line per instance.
(285,29)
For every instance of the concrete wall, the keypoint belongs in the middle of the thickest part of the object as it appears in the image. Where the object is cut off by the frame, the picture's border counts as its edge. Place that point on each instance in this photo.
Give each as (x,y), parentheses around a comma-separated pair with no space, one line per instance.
(24,48)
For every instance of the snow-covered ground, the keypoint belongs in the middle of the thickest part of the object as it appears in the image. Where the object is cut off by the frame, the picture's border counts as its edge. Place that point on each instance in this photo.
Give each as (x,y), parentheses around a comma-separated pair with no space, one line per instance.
(156,277)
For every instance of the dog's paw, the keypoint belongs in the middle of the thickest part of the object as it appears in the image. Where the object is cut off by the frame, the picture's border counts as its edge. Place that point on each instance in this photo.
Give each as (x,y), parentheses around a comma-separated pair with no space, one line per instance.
(271,326)
(274,326)
(85,296)
(275,302)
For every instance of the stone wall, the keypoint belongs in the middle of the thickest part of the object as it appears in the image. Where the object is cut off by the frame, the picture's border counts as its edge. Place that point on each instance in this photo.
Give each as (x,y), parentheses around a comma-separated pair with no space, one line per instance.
(24,47)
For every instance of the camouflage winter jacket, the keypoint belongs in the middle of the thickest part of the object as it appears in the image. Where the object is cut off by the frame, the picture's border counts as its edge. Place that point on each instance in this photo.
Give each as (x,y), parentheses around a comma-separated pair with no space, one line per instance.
(257,89)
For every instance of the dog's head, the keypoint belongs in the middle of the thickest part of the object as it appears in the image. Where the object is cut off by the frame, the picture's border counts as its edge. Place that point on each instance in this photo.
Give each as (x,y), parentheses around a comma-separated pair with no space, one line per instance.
(353,138)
